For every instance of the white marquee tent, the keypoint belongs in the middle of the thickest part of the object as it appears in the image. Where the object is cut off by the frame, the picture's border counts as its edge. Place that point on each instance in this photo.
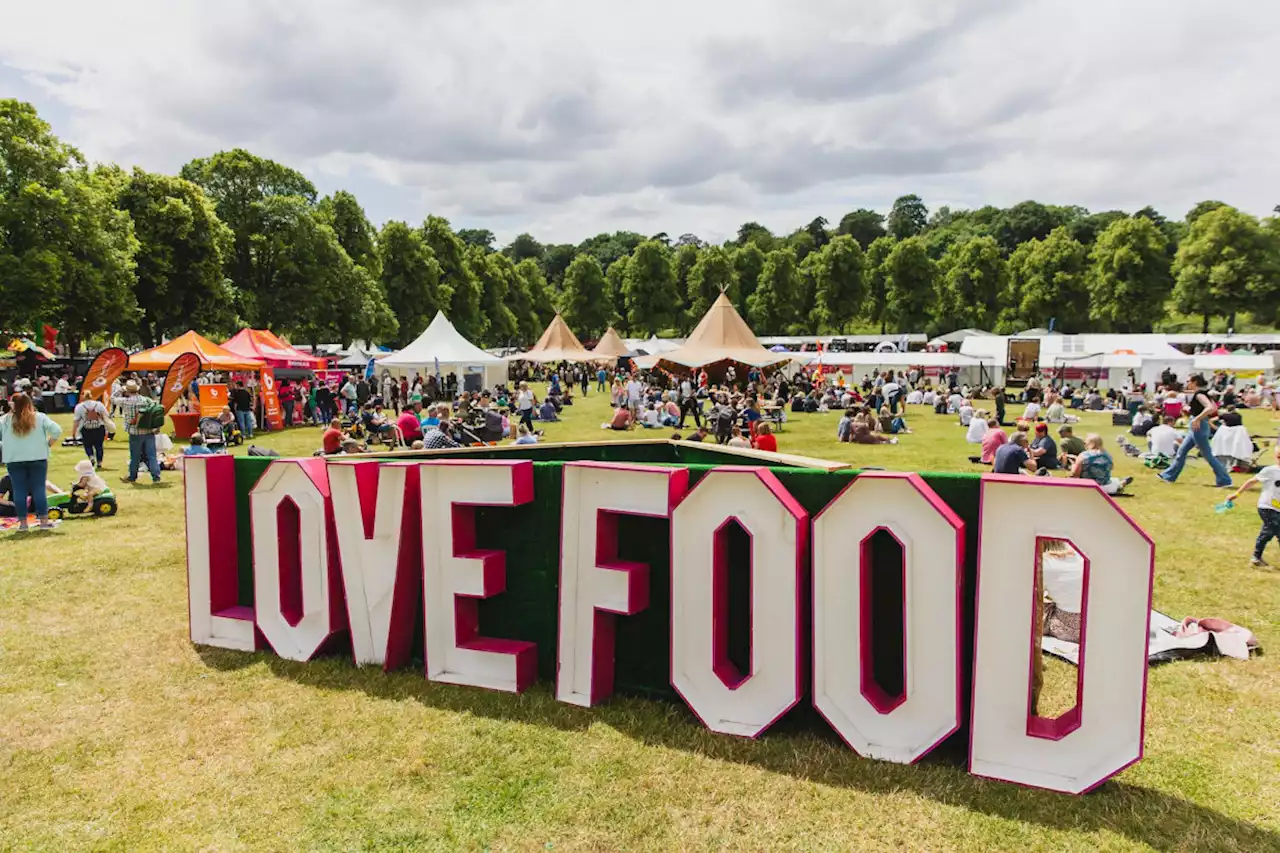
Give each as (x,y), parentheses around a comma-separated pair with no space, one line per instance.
(442,344)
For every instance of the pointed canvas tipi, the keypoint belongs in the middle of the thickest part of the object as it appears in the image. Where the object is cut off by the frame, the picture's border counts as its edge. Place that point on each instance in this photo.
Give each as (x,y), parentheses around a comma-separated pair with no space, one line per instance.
(558,343)
(722,335)
(610,346)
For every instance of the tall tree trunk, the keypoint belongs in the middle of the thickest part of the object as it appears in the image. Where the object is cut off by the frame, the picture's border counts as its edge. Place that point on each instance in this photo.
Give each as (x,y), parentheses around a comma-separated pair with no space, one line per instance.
(1205,328)
(1231,322)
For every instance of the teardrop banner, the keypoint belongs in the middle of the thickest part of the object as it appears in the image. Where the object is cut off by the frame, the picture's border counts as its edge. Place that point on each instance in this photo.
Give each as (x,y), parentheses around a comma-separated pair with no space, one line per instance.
(899,610)
(105,369)
(178,378)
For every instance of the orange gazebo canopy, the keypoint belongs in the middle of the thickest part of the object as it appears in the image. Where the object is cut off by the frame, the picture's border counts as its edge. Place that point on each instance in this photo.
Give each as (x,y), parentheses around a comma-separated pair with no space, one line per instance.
(212,356)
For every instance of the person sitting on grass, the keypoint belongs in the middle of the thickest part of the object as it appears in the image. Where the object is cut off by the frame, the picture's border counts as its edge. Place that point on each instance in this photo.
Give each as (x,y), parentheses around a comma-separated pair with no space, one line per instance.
(892,424)
(700,434)
(1044,450)
(649,418)
(1014,457)
(977,428)
(738,439)
(197,446)
(765,439)
(992,440)
(1096,464)
(1069,445)
(844,429)
(965,412)
(547,412)
(864,430)
(621,420)
(526,436)
(331,441)
(1268,508)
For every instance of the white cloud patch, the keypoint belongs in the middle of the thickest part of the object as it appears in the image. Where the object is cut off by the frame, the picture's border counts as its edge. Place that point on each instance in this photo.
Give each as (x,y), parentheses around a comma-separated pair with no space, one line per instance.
(569,118)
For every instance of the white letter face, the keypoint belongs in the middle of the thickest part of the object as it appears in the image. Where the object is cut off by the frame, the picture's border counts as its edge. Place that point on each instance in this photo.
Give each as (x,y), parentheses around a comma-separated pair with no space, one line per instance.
(1103,733)
(456,574)
(297,591)
(905,727)
(595,585)
(727,701)
(217,618)
(375,509)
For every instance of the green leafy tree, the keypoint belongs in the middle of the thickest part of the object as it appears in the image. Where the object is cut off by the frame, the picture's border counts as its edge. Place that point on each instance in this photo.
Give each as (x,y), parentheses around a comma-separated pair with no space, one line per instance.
(1129,279)
(908,217)
(802,243)
(583,297)
(1227,264)
(1201,209)
(712,275)
(973,278)
(607,248)
(480,237)
(531,302)
(772,308)
(1028,220)
(239,182)
(748,263)
(182,247)
(652,294)
(494,271)
(840,284)
(410,278)
(910,285)
(877,279)
(1048,281)
(356,235)
(456,277)
(66,251)
(817,229)
(522,248)
(616,293)
(686,256)
(754,232)
(555,260)
(865,226)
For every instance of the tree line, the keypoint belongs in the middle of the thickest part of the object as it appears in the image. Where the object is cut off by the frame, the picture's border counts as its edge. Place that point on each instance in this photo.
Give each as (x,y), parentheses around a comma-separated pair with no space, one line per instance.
(236,239)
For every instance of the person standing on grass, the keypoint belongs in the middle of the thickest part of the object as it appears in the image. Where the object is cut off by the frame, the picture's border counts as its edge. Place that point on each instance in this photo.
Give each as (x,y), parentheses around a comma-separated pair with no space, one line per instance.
(25,438)
(524,403)
(142,441)
(1268,508)
(1202,409)
(89,424)
(241,404)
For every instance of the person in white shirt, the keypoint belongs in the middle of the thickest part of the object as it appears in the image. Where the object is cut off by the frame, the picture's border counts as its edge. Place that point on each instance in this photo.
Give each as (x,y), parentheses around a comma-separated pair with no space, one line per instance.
(1031,412)
(966,413)
(737,440)
(954,402)
(1268,508)
(524,404)
(650,418)
(977,428)
(890,390)
(635,393)
(1163,439)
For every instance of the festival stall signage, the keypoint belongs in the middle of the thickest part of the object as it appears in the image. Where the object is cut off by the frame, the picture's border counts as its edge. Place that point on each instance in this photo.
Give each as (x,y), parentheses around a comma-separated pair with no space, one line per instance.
(304,556)
(271,400)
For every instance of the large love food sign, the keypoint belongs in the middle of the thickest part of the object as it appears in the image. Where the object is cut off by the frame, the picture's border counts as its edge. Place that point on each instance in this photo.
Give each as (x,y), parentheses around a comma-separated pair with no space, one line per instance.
(304,556)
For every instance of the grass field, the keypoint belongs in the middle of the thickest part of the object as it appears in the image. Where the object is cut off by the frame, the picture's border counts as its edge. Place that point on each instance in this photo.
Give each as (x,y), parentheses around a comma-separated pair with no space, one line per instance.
(117,734)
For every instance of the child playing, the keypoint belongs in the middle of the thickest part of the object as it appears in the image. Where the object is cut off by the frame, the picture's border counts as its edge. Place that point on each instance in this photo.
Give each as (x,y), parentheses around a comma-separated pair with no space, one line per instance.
(1268,508)
(89,485)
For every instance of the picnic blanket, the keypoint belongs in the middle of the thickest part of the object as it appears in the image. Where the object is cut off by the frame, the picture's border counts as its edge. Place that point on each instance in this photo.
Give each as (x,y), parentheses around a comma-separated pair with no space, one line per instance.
(1168,639)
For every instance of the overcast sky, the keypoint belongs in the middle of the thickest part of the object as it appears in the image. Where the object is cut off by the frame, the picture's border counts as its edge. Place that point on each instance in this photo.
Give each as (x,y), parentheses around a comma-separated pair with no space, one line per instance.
(570,118)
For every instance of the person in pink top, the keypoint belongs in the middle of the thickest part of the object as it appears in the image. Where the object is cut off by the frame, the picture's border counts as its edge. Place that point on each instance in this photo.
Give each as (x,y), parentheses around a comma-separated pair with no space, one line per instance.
(409,425)
(992,439)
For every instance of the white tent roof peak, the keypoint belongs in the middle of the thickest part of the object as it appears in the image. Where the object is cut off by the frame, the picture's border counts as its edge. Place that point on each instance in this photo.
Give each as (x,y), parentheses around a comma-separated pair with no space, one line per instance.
(441,342)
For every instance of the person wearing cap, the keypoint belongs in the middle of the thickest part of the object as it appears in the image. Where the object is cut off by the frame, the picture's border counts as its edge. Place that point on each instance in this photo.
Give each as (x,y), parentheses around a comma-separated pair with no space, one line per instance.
(1069,446)
(1044,450)
(142,442)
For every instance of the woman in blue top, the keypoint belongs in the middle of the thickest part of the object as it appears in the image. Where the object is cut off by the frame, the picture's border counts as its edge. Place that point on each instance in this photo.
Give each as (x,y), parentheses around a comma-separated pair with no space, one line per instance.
(25,438)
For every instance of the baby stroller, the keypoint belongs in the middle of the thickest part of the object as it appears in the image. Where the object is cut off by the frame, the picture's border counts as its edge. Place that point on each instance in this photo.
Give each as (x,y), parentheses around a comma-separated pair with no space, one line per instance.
(214,437)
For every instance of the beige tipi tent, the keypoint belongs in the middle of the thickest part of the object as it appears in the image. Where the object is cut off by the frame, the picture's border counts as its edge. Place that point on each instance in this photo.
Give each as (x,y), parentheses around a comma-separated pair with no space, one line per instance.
(723,335)
(558,343)
(610,346)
